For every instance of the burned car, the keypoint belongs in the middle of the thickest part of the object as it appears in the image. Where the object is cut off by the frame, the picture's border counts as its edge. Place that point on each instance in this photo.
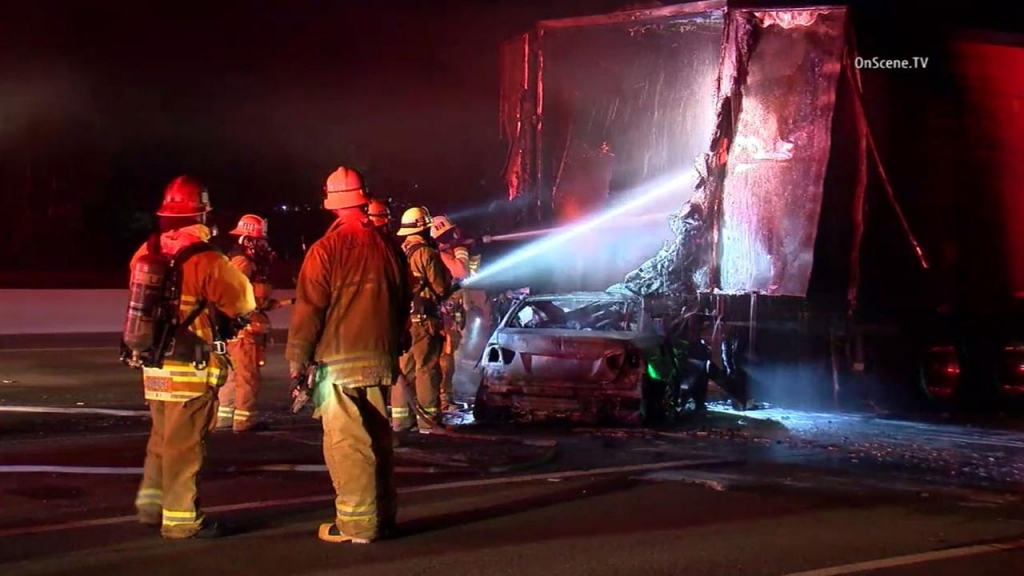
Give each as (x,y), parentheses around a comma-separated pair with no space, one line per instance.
(585,356)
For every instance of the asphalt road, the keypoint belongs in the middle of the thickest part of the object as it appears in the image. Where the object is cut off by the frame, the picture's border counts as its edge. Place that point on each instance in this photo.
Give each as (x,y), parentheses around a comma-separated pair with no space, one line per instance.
(725,495)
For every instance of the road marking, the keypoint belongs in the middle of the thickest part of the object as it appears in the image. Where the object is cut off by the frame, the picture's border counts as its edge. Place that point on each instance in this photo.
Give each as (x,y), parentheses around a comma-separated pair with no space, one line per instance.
(910,559)
(71,348)
(127,470)
(70,410)
(65,438)
(260,504)
(31,468)
(78,348)
(130,470)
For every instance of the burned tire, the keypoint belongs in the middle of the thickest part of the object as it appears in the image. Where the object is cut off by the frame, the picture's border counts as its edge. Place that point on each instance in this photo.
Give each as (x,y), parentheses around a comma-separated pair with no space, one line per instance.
(485,413)
(654,402)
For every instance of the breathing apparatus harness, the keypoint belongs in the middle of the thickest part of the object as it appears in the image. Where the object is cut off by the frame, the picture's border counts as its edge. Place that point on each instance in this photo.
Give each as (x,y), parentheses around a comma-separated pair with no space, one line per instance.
(152,331)
(423,307)
(435,305)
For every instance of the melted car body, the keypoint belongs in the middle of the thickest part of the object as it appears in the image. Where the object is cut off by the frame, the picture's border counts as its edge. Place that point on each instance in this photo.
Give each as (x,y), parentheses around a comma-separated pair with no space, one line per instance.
(591,356)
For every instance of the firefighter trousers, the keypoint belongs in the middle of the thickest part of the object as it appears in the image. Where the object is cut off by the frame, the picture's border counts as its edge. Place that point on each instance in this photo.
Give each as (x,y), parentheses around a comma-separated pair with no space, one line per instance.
(452,339)
(421,368)
(360,459)
(237,397)
(169,494)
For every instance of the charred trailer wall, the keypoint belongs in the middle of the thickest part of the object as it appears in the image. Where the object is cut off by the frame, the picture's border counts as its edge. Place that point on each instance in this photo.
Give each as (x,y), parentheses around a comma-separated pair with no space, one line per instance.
(788,197)
(518,126)
(779,151)
(620,100)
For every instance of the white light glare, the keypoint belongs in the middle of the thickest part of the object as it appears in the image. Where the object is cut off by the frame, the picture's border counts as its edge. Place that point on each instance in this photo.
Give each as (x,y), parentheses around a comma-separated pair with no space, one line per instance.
(646,194)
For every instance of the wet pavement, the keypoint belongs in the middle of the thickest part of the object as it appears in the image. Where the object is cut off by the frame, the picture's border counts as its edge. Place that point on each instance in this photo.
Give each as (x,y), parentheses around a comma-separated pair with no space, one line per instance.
(761,492)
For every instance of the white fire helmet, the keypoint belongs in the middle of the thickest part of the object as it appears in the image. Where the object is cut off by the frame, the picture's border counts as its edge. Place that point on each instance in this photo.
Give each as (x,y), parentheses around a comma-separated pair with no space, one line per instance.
(414,220)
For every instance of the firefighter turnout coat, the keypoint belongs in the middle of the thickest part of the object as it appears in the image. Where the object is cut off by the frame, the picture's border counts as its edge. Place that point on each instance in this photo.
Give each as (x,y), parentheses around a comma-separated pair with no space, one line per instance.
(207,278)
(351,307)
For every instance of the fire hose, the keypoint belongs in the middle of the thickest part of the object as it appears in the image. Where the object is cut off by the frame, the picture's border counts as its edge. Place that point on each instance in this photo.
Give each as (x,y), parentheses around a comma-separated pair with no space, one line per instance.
(278,304)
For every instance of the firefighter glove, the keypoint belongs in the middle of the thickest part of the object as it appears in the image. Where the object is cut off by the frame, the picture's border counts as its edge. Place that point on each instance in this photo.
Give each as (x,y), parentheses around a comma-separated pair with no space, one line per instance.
(296,369)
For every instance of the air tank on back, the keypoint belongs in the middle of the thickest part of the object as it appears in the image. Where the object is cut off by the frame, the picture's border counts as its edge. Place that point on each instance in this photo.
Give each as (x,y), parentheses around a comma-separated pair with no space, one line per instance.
(146,294)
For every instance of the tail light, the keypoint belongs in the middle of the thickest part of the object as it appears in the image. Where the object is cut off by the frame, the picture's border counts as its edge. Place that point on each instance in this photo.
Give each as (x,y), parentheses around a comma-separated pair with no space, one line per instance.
(615,361)
(498,354)
(941,374)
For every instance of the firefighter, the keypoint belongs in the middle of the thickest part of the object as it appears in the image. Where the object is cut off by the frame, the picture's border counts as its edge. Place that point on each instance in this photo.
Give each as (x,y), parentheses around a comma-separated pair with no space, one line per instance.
(455,255)
(351,310)
(182,393)
(380,215)
(432,285)
(238,397)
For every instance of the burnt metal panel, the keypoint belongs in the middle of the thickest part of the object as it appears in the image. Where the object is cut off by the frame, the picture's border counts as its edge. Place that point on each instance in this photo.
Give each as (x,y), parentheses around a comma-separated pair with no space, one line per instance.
(772,193)
(515,113)
(628,16)
(623,104)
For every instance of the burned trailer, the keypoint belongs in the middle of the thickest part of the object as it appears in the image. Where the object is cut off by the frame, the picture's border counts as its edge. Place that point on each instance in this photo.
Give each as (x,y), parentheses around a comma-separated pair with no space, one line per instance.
(770,251)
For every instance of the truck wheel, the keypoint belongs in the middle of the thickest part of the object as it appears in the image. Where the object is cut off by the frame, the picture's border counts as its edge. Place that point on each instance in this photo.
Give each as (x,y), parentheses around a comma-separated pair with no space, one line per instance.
(939,376)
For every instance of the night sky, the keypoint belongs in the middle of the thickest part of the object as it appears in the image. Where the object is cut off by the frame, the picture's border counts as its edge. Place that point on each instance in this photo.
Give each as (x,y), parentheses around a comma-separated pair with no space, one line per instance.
(103,102)
(262,100)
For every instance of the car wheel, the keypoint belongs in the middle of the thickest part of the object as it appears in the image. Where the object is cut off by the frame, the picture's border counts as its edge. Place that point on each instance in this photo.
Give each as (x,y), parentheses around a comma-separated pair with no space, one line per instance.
(485,413)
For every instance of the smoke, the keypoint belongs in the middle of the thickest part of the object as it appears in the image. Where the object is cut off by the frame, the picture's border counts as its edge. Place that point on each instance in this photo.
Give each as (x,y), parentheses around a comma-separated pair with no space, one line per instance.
(599,249)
